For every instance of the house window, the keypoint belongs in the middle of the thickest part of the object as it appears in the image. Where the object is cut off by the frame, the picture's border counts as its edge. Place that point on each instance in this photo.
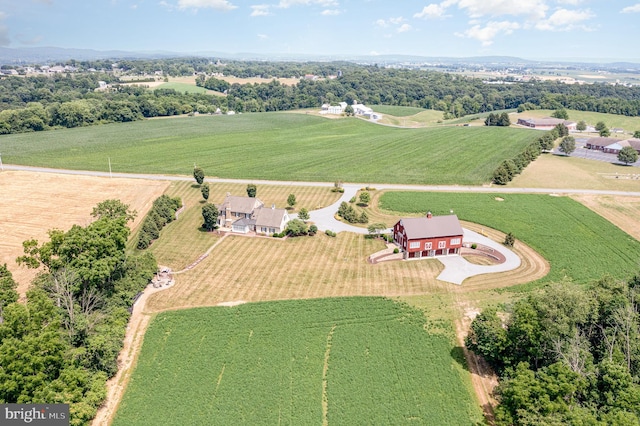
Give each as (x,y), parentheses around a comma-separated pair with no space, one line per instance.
(428,246)
(263,229)
(455,241)
(442,244)
(414,244)
(272,230)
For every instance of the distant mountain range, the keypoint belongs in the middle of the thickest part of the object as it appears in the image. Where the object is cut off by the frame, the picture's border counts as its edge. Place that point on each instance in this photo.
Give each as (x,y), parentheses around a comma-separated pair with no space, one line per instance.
(49,55)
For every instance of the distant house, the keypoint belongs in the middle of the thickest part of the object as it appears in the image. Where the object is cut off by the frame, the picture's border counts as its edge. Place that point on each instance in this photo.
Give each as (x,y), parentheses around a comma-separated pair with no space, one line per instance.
(428,236)
(360,109)
(333,109)
(245,214)
(546,123)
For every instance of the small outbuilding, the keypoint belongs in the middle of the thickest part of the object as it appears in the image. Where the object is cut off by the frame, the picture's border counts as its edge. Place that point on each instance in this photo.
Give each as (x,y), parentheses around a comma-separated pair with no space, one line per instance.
(428,236)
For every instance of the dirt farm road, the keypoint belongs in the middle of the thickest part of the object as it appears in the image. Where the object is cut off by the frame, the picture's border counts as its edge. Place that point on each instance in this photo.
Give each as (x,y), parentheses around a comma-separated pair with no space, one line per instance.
(432,188)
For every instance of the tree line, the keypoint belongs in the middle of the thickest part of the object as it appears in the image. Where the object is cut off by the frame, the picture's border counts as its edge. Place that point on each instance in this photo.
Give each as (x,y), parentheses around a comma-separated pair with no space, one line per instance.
(565,354)
(62,344)
(40,103)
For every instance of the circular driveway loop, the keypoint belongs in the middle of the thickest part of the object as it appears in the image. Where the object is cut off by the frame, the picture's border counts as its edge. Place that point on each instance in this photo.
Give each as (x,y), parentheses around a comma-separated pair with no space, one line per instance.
(456,268)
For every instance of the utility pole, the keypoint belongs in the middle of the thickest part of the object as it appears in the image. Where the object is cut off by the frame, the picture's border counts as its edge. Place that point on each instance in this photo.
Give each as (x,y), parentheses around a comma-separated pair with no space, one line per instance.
(110,167)
(1,166)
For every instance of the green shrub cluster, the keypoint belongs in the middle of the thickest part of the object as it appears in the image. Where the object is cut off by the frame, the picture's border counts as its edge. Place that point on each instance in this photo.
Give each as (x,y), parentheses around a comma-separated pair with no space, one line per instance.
(349,214)
(163,211)
(330,233)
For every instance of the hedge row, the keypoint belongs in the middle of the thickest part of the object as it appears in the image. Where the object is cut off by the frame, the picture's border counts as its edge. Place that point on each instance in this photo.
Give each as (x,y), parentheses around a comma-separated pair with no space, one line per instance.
(163,211)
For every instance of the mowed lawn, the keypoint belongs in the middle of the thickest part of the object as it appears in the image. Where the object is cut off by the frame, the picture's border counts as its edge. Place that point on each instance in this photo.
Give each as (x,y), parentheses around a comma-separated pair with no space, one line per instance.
(578,243)
(276,146)
(182,241)
(348,361)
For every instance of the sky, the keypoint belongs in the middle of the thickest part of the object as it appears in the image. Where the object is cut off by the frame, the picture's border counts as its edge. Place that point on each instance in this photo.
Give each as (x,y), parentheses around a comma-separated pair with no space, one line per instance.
(531,29)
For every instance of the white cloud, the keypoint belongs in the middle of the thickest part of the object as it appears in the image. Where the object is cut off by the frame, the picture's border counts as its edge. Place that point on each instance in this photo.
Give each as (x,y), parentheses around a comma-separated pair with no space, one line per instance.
(432,11)
(330,12)
(396,21)
(487,33)
(404,28)
(565,20)
(631,9)
(324,3)
(263,36)
(206,4)
(382,23)
(535,9)
(260,10)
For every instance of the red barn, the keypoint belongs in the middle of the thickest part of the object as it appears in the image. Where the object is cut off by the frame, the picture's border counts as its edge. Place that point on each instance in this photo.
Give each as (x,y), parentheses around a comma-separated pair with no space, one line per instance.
(428,236)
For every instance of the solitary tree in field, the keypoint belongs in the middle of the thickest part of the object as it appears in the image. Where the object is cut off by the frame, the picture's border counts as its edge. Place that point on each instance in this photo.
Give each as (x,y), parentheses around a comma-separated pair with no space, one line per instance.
(568,145)
(303,215)
(636,134)
(349,111)
(291,200)
(205,191)
(252,190)
(198,175)
(210,216)
(365,197)
(509,240)
(581,126)
(628,155)
(560,113)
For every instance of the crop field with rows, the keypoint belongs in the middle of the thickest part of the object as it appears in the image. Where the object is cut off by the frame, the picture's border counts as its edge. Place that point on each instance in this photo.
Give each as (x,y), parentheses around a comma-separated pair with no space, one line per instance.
(578,243)
(333,361)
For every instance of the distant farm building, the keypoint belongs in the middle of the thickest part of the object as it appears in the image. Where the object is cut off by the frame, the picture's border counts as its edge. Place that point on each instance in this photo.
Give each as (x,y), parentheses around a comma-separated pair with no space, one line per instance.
(546,123)
(612,145)
(428,236)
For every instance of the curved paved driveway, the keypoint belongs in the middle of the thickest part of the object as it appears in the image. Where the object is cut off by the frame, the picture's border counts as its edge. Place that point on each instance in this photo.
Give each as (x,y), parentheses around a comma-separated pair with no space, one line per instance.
(457,268)
(325,218)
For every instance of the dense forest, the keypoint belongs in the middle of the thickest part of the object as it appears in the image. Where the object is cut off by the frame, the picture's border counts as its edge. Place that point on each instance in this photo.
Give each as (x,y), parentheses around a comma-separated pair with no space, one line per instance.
(565,355)
(62,343)
(70,100)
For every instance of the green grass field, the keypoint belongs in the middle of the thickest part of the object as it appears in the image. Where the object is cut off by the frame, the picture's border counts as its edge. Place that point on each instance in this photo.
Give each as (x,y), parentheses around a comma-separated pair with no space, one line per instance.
(183,87)
(577,242)
(344,361)
(399,111)
(276,146)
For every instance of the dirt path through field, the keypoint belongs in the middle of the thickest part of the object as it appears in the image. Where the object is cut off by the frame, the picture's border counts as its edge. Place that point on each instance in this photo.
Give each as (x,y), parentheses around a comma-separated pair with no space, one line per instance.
(133,339)
(483,379)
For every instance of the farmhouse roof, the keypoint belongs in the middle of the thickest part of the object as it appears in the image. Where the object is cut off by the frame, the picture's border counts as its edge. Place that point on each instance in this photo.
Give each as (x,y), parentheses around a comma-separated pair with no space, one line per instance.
(601,141)
(241,204)
(431,227)
(245,221)
(270,217)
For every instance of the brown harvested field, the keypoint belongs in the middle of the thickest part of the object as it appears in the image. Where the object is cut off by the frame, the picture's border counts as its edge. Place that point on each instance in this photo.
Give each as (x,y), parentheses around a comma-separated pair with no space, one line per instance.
(624,212)
(33,203)
(182,241)
(552,171)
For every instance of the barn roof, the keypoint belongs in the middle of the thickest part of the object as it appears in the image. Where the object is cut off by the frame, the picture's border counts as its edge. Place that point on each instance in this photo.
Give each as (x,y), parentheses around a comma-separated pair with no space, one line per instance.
(431,227)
